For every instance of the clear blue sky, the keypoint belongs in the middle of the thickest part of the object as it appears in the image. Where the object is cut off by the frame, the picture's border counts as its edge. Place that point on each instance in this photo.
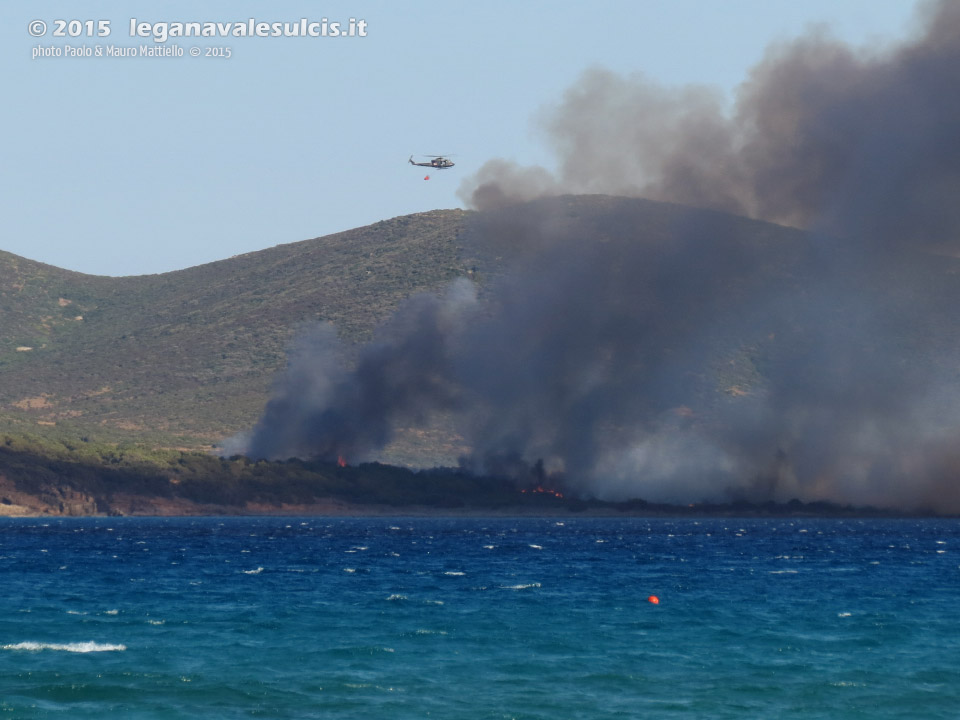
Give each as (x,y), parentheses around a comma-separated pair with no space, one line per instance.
(121,166)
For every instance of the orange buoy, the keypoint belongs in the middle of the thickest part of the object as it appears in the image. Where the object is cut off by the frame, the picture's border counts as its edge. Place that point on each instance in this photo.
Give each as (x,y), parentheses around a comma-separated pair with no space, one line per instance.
(653,599)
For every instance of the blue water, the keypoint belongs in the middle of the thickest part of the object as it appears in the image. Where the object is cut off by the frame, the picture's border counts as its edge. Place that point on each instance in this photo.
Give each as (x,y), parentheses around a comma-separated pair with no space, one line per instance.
(479,618)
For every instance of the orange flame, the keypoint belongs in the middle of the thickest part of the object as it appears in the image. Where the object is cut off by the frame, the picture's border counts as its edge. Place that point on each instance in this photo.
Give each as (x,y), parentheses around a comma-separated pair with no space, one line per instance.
(341,461)
(543,490)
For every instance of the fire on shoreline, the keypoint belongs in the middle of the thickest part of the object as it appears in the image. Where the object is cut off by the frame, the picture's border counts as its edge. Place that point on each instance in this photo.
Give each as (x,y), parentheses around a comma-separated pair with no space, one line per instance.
(543,490)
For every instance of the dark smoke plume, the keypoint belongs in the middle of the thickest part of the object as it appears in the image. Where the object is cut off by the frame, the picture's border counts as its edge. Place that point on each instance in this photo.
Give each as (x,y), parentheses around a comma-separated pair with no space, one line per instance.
(320,409)
(640,349)
(821,137)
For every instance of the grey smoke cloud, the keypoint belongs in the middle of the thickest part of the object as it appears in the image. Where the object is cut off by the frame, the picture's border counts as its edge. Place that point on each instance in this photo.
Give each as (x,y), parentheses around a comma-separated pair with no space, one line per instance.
(635,349)
(821,136)
(323,408)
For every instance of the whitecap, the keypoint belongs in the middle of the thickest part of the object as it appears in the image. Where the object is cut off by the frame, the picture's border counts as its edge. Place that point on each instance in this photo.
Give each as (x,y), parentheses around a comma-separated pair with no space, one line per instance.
(520,587)
(454,573)
(156,622)
(76,647)
(111,612)
(489,547)
(537,547)
(783,572)
(844,614)
(350,570)
(397,597)
(253,572)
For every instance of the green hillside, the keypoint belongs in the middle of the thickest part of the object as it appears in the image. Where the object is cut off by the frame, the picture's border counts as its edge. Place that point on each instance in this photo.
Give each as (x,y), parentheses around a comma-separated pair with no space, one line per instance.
(188,356)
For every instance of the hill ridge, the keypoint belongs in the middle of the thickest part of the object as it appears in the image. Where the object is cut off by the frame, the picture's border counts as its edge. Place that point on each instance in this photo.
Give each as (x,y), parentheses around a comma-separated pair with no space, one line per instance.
(187,357)
(228,321)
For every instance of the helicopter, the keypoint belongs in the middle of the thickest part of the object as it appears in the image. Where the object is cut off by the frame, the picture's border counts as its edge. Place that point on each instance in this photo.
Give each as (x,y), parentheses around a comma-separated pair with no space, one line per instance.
(438,162)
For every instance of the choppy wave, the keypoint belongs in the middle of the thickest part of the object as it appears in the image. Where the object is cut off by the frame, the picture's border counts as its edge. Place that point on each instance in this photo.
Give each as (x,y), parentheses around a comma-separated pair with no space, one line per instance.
(468,639)
(76,647)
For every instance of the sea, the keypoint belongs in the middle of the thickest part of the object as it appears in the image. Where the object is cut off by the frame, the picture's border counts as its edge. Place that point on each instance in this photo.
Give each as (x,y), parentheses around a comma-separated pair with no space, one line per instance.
(552,618)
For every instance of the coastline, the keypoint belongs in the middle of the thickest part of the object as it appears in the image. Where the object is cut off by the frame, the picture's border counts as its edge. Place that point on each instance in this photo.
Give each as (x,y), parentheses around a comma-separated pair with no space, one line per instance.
(141,506)
(66,501)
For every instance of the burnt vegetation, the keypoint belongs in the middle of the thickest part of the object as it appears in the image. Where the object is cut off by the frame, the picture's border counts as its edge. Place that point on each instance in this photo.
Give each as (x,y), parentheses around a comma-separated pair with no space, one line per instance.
(111,479)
